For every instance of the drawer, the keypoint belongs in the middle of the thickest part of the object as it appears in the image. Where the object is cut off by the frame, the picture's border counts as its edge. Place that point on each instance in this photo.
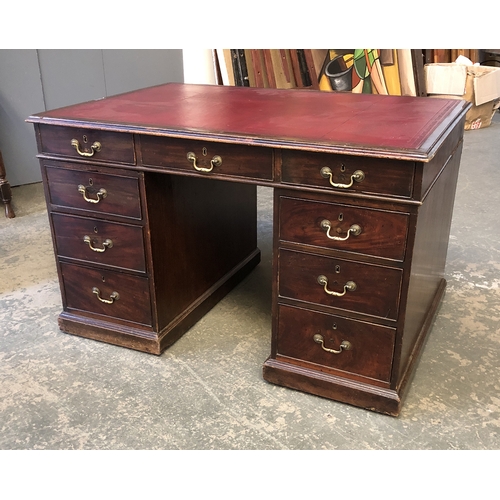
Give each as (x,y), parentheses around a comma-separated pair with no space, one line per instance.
(94,291)
(340,283)
(88,144)
(367,349)
(94,191)
(376,175)
(342,227)
(208,157)
(100,242)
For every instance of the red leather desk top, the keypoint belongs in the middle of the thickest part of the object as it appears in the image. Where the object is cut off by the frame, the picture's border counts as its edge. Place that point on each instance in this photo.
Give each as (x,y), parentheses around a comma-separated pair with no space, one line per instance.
(372,125)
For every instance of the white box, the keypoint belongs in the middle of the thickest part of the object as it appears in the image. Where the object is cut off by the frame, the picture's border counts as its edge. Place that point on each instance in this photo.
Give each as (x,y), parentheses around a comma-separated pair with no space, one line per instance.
(479,85)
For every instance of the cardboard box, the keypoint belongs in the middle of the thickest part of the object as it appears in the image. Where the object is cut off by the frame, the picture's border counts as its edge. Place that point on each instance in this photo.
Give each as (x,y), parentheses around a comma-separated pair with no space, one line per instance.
(479,85)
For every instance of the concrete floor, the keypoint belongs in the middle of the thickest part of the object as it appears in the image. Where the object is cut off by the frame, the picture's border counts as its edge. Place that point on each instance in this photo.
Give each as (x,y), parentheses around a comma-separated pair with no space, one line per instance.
(60,392)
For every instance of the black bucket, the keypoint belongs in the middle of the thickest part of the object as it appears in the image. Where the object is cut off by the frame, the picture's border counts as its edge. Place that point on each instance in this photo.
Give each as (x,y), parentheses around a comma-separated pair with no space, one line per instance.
(339,75)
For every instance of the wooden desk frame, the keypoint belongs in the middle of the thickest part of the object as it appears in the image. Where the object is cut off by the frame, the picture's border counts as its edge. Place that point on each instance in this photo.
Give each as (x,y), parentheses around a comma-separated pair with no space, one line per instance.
(152,204)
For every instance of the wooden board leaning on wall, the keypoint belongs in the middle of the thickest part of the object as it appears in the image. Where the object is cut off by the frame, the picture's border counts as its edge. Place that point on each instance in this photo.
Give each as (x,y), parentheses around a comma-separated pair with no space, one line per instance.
(377,71)
(450,55)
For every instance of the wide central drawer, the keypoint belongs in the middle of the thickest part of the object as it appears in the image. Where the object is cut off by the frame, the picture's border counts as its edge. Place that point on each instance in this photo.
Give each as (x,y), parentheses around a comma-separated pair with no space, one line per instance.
(94,191)
(343,227)
(210,158)
(98,241)
(348,173)
(335,342)
(340,283)
(107,293)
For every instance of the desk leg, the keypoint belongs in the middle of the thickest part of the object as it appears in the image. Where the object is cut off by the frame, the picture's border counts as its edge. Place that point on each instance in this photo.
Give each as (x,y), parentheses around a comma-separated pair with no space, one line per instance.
(5,192)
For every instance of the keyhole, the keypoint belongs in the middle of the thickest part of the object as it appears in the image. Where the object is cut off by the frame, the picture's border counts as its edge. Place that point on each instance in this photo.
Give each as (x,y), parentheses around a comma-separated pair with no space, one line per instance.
(334,326)
(95,230)
(85,139)
(91,182)
(341,217)
(103,280)
(342,168)
(204,152)
(337,269)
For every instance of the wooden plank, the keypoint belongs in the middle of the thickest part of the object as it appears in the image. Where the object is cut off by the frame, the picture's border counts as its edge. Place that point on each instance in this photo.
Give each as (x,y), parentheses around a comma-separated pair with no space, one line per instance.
(282,72)
(250,68)
(259,68)
(268,64)
(313,74)
(418,72)
(300,81)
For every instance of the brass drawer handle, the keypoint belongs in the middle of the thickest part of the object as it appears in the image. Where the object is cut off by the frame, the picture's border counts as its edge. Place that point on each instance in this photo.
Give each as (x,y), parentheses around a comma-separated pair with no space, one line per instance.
(96,147)
(349,286)
(344,346)
(102,193)
(105,244)
(357,176)
(216,161)
(326,225)
(114,296)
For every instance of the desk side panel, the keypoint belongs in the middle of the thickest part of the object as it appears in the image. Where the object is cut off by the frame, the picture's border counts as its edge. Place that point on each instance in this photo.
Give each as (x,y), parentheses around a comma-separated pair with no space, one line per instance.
(426,282)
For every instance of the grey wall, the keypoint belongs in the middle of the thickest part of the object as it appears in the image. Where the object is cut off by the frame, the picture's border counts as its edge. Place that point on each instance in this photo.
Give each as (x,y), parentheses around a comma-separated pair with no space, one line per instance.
(37,80)
(20,96)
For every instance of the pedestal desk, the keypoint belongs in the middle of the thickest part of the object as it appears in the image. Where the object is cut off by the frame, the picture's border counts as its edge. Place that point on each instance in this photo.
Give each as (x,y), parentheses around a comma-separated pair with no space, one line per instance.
(151,197)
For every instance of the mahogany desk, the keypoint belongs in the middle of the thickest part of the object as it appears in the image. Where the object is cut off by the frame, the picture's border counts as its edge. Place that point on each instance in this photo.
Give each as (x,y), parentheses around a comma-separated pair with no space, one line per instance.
(152,203)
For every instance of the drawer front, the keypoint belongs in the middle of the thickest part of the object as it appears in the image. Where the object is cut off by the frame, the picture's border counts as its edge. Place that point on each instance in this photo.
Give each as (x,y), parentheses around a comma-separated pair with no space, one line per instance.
(343,227)
(209,158)
(87,144)
(94,291)
(367,349)
(328,281)
(95,192)
(99,242)
(348,173)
